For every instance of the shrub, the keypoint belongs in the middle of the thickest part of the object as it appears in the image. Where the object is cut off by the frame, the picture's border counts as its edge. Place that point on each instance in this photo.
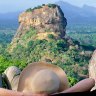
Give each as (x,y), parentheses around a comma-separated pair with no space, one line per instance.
(72,81)
(47,30)
(29,10)
(43,4)
(51,36)
(29,34)
(38,7)
(51,5)
(30,43)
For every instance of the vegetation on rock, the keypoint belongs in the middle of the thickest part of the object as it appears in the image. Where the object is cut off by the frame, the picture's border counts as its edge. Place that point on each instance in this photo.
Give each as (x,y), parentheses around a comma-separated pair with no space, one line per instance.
(38,7)
(53,51)
(67,53)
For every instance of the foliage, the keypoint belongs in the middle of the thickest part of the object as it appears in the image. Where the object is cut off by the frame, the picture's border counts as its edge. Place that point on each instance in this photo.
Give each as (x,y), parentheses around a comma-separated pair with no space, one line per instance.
(6,37)
(47,30)
(31,33)
(30,9)
(52,5)
(72,81)
(57,52)
(38,7)
(86,34)
(43,4)
(51,36)
(5,62)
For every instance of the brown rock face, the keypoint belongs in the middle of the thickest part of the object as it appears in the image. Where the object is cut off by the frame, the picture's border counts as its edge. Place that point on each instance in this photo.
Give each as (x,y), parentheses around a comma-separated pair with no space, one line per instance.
(92,68)
(46,19)
(43,19)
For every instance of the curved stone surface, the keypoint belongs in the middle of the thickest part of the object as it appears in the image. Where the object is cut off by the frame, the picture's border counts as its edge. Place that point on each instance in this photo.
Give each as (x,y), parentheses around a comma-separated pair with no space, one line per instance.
(92,68)
(11,77)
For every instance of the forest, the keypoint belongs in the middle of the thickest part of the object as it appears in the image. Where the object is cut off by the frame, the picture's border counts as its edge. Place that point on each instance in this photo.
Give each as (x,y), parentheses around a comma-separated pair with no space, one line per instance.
(73,59)
(86,33)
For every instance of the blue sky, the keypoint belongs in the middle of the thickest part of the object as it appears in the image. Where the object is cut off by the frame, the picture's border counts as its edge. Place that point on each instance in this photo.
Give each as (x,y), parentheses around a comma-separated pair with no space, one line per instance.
(18,5)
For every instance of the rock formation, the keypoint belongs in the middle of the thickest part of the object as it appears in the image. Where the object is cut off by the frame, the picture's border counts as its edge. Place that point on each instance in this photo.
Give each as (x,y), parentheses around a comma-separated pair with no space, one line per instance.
(41,37)
(46,19)
(92,68)
(43,19)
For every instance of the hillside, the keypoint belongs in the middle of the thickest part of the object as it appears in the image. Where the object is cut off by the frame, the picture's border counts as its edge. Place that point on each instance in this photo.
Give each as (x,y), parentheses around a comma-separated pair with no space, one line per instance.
(42,37)
(34,25)
(78,15)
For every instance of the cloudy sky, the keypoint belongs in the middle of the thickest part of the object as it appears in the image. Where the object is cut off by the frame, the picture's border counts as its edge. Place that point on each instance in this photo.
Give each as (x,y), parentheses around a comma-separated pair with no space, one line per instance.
(18,5)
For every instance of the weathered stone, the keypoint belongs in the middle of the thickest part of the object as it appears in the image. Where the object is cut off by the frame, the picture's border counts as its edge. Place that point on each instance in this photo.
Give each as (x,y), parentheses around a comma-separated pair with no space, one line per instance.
(43,19)
(46,20)
(92,68)
(11,77)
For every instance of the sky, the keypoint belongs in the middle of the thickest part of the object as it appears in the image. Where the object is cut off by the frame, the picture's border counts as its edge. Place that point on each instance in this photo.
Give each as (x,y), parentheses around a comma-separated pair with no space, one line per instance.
(20,5)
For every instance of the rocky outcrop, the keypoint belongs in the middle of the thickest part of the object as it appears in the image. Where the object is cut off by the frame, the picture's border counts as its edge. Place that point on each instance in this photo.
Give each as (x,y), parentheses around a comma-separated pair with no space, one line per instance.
(92,68)
(11,77)
(45,19)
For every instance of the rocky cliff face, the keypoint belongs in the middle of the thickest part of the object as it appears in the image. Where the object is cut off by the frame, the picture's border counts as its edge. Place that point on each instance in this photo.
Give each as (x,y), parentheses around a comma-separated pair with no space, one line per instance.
(92,68)
(43,19)
(46,19)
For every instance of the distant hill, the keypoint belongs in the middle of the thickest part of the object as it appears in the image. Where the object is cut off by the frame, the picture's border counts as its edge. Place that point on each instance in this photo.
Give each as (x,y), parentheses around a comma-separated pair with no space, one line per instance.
(74,14)
(9,19)
(10,15)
